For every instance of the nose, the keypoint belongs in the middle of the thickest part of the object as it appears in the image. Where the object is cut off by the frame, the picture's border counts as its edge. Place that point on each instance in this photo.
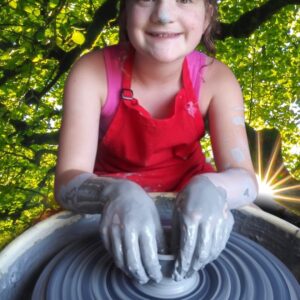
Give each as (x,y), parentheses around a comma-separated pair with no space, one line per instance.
(163,12)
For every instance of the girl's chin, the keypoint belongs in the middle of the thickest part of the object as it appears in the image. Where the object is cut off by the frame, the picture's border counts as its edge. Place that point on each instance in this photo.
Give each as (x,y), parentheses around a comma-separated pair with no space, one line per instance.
(164,55)
(164,52)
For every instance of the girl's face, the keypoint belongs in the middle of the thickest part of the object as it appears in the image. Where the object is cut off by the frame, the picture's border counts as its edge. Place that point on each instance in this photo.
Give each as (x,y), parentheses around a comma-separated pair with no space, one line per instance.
(165,30)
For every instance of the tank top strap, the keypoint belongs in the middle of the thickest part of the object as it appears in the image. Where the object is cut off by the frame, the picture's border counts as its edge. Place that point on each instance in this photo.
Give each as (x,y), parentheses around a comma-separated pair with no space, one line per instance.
(196,61)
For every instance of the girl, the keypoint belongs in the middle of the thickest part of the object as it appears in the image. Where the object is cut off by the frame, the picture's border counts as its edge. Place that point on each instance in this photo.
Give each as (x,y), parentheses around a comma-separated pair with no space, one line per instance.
(151,94)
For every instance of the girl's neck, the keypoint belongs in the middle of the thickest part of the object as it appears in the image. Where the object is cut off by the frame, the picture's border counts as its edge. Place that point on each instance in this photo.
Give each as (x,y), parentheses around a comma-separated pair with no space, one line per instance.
(150,72)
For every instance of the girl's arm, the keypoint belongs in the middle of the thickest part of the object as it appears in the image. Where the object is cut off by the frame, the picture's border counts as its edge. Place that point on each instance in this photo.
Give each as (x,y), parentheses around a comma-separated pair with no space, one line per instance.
(229,139)
(76,188)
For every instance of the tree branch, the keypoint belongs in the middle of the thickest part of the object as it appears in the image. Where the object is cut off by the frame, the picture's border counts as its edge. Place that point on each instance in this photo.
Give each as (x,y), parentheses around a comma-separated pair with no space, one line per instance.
(40,139)
(8,74)
(103,14)
(251,20)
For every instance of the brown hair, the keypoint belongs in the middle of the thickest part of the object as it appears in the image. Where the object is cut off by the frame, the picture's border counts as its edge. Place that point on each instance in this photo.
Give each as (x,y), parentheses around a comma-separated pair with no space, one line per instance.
(212,29)
(207,39)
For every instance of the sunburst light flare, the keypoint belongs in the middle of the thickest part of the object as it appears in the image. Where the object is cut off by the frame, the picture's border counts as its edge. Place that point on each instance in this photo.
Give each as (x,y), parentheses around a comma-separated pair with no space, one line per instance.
(275,182)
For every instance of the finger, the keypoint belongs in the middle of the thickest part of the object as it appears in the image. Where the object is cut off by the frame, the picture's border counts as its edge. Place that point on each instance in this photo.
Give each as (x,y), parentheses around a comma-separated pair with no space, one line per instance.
(149,256)
(203,247)
(190,273)
(227,228)
(220,237)
(117,248)
(218,240)
(104,234)
(188,238)
(230,221)
(132,256)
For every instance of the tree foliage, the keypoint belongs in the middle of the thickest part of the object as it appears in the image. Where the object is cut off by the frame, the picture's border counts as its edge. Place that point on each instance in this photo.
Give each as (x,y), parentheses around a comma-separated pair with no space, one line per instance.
(40,40)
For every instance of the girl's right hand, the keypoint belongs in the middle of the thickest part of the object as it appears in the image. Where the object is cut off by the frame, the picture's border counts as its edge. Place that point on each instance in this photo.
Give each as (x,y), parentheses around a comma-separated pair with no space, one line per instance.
(131,230)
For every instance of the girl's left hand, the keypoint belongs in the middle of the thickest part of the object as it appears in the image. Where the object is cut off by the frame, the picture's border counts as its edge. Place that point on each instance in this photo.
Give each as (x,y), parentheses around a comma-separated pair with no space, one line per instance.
(202,223)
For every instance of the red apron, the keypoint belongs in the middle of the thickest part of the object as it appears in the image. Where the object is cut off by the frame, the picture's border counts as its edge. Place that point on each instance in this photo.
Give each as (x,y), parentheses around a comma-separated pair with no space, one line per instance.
(161,155)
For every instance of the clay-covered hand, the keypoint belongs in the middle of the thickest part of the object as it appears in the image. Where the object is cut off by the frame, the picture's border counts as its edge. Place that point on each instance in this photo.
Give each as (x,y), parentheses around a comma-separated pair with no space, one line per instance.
(131,230)
(202,223)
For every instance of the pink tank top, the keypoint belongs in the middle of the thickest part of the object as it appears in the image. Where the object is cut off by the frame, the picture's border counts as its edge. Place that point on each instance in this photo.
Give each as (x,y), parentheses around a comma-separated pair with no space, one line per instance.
(113,58)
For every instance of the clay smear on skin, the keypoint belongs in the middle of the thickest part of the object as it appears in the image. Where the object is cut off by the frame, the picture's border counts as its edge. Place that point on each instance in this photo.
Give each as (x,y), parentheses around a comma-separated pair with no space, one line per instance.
(237,155)
(164,17)
(251,190)
(239,121)
(73,184)
(247,193)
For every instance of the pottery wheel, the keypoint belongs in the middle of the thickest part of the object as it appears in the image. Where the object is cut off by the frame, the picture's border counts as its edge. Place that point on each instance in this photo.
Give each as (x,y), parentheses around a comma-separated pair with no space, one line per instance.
(245,270)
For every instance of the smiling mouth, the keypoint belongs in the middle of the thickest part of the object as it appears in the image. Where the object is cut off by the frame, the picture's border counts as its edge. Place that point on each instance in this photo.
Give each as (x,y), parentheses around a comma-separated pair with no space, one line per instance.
(164,35)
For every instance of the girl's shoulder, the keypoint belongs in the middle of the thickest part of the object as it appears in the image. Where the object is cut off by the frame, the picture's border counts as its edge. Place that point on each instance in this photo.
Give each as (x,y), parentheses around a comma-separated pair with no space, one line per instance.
(217,78)
(213,69)
(98,60)
(218,72)
(89,64)
(88,73)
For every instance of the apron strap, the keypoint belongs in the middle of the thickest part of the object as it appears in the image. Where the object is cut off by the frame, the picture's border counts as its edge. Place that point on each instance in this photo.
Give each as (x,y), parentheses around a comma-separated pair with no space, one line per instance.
(126,91)
(187,83)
